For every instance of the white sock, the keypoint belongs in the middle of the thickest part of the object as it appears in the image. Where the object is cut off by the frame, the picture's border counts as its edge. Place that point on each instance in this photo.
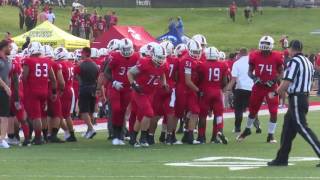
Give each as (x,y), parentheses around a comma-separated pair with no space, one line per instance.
(250,122)
(164,128)
(95,115)
(272,128)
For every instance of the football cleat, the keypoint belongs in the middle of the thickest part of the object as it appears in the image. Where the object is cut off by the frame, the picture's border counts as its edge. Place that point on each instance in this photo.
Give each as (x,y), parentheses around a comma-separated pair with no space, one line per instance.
(4,144)
(13,141)
(215,140)
(144,143)
(115,142)
(71,138)
(90,134)
(201,139)
(244,134)
(38,141)
(136,145)
(121,142)
(271,139)
(223,139)
(150,139)
(26,142)
(162,138)
(277,163)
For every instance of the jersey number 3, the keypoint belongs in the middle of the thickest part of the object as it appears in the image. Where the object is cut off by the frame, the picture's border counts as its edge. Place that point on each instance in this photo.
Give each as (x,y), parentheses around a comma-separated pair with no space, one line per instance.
(41,70)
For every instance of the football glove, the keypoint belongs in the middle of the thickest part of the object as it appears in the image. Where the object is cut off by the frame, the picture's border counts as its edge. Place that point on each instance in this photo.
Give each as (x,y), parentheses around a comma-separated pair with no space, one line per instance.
(136,87)
(117,85)
(270,83)
(256,80)
(200,94)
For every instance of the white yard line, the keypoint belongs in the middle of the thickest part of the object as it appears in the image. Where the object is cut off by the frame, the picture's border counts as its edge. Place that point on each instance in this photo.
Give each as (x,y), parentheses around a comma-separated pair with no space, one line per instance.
(149,177)
(229,115)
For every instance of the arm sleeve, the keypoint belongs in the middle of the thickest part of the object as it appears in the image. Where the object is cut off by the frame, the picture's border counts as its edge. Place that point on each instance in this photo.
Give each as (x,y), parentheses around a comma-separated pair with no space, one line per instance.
(234,71)
(291,71)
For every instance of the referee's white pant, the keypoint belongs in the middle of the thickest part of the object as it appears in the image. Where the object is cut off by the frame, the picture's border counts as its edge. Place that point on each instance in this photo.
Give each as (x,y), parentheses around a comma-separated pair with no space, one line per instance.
(295,122)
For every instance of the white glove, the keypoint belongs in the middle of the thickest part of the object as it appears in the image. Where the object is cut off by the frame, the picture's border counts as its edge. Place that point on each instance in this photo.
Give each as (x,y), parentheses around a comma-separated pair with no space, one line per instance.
(117,85)
(17,105)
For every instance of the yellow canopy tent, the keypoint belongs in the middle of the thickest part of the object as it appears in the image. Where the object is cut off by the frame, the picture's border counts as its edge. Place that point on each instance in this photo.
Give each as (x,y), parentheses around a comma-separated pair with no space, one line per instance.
(47,33)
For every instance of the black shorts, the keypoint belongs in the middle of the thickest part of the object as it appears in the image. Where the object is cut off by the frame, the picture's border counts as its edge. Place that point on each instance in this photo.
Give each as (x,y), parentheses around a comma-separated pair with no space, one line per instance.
(4,104)
(87,99)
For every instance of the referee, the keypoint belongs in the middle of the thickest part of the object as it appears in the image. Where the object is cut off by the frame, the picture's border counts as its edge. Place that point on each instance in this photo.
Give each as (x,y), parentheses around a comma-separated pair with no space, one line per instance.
(297,83)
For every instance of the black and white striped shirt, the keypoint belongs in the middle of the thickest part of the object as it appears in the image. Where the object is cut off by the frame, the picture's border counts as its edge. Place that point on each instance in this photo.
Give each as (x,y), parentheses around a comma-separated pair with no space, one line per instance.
(300,73)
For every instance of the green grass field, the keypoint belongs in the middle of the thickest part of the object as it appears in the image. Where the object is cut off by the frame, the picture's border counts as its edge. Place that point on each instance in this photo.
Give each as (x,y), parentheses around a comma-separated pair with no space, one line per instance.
(214,23)
(97,159)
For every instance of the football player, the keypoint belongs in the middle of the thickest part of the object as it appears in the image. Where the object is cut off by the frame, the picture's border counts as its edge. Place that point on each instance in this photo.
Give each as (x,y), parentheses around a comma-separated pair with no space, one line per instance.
(144,78)
(265,68)
(119,89)
(37,71)
(213,75)
(188,91)
(54,106)
(67,97)
(164,101)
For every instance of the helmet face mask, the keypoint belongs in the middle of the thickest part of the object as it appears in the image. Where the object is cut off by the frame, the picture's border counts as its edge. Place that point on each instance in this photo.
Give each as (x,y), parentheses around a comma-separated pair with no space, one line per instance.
(266,43)
(158,55)
(194,49)
(126,47)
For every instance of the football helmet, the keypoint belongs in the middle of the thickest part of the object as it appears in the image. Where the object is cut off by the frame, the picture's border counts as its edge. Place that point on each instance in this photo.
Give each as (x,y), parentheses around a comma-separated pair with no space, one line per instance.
(158,55)
(194,49)
(266,43)
(113,45)
(212,53)
(126,47)
(71,56)
(94,53)
(103,52)
(168,46)
(47,51)
(179,49)
(77,54)
(200,39)
(222,55)
(25,53)
(35,48)
(146,49)
(60,53)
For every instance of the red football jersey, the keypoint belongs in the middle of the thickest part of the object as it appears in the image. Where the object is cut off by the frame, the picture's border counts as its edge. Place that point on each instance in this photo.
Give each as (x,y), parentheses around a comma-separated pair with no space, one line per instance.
(187,64)
(172,67)
(67,72)
(38,77)
(266,67)
(149,75)
(212,73)
(120,65)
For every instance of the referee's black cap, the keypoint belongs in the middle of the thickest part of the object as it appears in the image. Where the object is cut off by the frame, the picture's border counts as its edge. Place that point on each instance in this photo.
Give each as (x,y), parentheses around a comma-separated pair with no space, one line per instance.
(296,45)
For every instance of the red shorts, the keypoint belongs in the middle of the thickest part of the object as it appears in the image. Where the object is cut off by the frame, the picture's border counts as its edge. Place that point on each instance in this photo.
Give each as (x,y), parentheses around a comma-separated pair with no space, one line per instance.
(142,105)
(187,101)
(258,95)
(119,103)
(212,100)
(54,108)
(67,102)
(35,105)
(163,102)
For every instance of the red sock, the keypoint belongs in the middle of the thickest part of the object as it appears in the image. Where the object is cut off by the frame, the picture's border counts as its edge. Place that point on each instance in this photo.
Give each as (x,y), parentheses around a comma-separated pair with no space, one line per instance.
(37,133)
(26,131)
(201,131)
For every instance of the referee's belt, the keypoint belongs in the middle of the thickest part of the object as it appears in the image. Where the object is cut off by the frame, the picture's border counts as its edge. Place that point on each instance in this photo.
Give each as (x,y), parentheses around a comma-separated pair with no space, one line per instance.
(299,94)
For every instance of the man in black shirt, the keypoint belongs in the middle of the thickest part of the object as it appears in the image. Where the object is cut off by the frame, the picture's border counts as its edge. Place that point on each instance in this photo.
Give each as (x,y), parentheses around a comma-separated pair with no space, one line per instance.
(87,74)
